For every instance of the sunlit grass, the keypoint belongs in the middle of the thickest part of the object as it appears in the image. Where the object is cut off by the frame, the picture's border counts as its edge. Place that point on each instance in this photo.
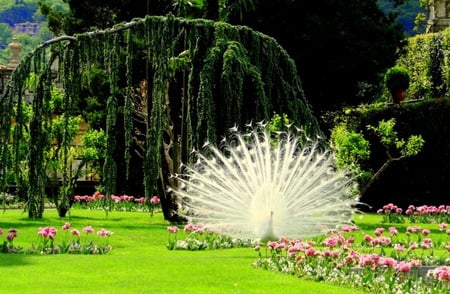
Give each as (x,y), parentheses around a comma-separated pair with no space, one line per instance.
(138,263)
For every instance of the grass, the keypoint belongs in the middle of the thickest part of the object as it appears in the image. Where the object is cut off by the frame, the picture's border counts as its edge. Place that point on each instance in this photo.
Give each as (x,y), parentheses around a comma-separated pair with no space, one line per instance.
(138,263)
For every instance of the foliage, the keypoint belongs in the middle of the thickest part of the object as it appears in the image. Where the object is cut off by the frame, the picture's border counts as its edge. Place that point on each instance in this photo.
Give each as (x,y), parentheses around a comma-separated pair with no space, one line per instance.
(225,68)
(19,13)
(389,138)
(22,11)
(424,57)
(362,21)
(351,148)
(5,36)
(278,123)
(364,39)
(396,78)
(407,14)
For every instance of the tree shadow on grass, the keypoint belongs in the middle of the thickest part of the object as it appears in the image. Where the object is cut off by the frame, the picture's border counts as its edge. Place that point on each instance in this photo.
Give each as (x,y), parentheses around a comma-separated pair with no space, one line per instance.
(7,260)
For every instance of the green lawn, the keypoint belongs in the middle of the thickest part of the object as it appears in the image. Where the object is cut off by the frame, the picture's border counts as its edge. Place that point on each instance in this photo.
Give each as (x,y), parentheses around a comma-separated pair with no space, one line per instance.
(138,263)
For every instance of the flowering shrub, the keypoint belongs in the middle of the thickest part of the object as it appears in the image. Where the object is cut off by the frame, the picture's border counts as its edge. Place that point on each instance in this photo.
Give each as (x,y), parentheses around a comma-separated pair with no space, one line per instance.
(119,203)
(73,241)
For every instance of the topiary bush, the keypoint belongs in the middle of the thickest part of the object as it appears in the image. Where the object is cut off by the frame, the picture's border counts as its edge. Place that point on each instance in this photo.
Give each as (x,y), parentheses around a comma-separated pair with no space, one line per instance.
(397,81)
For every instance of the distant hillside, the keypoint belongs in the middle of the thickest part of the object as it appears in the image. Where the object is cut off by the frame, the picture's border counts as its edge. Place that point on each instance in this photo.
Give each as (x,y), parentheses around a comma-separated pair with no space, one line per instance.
(20,13)
(14,12)
(406,13)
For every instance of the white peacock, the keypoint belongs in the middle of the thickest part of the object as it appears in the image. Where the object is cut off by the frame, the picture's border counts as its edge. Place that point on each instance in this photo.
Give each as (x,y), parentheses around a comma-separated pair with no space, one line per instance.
(261,186)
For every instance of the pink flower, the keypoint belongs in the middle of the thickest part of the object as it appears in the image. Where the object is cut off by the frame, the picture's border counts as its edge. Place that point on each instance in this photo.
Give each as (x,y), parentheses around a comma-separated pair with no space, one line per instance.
(427,241)
(66,226)
(404,267)
(47,232)
(425,246)
(348,229)
(97,195)
(393,231)
(10,237)
(155,200)
(442,226)
(311,252)
(399,247)
(331,242)
(88,229)
(104,233)
(272,244)
(413,229)
(379,231)
(441,273)
(1,232)
(200,230)
(75,232)
(139,200)
(257,248)
(189,228)
(331,253)
(172,229)
(389,262)
(413,246)
(368,238)
(13,232)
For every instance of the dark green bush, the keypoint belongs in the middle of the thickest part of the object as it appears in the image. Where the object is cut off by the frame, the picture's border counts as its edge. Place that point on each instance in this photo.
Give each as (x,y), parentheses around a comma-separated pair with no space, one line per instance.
(396,78)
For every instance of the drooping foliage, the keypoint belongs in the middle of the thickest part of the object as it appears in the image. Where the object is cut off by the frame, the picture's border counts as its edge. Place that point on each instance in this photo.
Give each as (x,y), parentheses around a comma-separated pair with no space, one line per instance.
(203,77)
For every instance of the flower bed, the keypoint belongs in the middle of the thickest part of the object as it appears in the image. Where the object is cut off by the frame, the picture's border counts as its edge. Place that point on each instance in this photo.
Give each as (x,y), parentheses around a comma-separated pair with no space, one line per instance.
(400,255)
(118,203)
(73,241)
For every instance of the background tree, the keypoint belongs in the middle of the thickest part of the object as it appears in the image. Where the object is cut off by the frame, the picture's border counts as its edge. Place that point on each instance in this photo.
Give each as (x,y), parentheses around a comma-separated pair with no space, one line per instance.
(341,48)
(198,88)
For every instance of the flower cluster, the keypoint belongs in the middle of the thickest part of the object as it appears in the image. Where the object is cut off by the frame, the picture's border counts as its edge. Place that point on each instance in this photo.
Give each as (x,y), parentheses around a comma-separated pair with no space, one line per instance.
(8,244)
(119,203)
(72,242)
(391,213)
(428,213)
(383,262)
(196,237)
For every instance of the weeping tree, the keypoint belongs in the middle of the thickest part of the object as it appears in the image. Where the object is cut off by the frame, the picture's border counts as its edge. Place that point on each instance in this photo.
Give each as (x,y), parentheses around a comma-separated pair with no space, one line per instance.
(201,78)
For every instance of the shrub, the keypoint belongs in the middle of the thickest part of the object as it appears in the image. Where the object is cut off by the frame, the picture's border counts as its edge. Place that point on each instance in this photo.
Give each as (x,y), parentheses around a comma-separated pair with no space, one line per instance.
(396,78)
